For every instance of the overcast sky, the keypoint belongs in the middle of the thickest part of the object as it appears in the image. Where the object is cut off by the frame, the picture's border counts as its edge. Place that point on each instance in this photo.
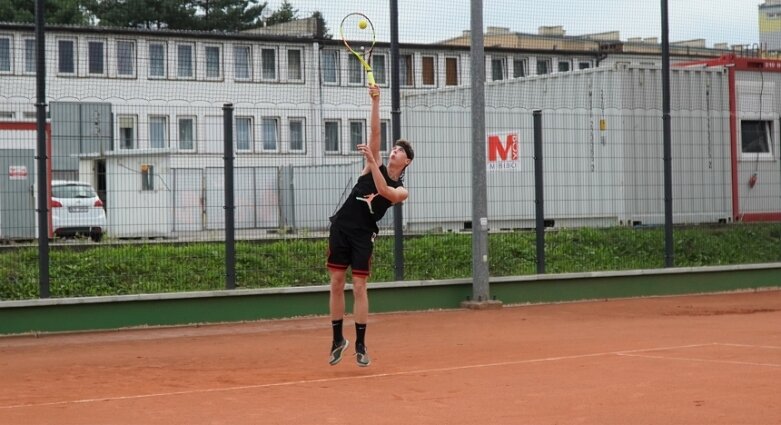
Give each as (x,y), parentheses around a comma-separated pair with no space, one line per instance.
(424,21)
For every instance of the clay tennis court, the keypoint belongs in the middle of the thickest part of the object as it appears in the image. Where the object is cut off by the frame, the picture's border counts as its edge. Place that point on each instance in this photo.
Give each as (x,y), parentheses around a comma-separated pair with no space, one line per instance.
(711,359)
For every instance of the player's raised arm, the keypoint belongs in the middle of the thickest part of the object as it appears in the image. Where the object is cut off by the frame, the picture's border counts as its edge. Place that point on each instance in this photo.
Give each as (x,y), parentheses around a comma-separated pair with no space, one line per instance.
(374,124)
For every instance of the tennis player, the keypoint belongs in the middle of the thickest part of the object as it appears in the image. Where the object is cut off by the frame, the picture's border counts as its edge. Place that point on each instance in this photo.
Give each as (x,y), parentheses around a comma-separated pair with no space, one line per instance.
(354,227)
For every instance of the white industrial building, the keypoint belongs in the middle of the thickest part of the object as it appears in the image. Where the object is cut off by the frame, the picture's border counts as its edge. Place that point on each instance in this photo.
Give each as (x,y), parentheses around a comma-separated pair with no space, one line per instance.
(138,113)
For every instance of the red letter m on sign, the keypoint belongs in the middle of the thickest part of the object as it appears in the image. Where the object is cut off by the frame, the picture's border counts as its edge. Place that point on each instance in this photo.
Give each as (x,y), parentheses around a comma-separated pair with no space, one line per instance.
(495,147)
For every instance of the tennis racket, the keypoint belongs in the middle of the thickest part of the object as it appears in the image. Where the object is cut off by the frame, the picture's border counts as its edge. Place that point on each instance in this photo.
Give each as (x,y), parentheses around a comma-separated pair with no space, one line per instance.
(358,28)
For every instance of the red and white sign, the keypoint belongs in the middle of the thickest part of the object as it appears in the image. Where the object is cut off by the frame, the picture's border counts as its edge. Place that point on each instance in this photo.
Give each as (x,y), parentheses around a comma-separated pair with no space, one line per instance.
(503,152)
(17,172)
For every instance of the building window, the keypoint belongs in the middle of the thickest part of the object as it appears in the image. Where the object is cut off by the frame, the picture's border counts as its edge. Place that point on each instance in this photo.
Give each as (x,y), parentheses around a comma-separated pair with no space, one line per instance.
(29,56)
(157,60)
(357,134)
(187,133)
(384,135)
(543,66)
(96,57)
(354,70)
(5,54)
(564,65)
(268,64)
(451,71)
(380,69)
(584,64)
(184,61)
(213,62)
(429,71)
(244,135)
(297,134)
(7,115)
(332,136)
(406,71)
(295,66)
(242,63)
(66,56)
(519,67)
(147,177)
(270,128)
(756,138)
(158,132)
(330,64)
(127,131)
(498,69)
(126,58)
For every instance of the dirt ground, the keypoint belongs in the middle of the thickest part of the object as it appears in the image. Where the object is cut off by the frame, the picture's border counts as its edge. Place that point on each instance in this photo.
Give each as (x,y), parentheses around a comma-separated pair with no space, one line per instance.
(710,359)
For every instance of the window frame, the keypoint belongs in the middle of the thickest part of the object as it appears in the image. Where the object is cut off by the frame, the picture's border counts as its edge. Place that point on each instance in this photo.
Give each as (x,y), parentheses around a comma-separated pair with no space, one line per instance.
(179,120)
(354,68)
(456,60)
(380,72)
(433,73)
(338,125)
(262,58)
(133,58)
(103,56)
(549,66)
(770,130)
(164,45)
(250,67)
(251,133)
(407,69)
(353,143)
(166,131)
(301,66)
(193,67)
(336,67)
(220,62)
(302,121)
(502,61)
(25,70)
(385,132)
(524,62)
(11,54)
(134,119)
(263,121)
(74,56)
(568,62)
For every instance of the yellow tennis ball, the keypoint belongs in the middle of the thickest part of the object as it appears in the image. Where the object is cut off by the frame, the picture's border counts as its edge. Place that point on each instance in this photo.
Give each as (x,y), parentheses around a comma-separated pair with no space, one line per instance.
(362,24)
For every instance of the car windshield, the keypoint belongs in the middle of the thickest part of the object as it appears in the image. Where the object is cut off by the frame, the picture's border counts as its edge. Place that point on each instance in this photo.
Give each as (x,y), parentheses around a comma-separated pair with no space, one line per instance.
(73,191)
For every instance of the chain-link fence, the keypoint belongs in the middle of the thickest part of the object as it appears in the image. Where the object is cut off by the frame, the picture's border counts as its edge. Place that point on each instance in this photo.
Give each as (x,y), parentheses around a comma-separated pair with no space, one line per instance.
(135,132)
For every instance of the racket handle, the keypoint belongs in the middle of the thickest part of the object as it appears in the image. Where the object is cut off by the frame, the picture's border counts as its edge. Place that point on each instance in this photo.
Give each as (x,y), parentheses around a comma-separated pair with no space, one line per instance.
(370,78)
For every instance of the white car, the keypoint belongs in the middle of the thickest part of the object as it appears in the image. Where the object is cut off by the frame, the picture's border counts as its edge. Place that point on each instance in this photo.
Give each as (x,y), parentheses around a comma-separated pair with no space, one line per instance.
(77,210)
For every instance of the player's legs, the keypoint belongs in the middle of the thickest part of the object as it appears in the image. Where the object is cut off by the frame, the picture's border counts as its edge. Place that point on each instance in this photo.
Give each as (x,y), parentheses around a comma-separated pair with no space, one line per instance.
(360,300)
(361,264)
(337,263)
(336,303)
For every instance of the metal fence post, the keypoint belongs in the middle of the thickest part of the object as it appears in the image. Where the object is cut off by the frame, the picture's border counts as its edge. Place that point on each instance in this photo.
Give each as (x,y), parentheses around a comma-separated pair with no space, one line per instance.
(42,152)
(230,208)
(539,192)
(398,228)
(667,137)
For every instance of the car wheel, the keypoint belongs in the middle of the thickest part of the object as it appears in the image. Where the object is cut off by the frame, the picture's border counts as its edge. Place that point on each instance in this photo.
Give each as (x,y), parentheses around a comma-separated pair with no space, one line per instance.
(96,236)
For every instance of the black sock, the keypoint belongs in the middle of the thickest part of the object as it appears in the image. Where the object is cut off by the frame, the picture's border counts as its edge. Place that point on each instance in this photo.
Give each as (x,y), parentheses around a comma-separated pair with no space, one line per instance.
(336,326)
(360,333)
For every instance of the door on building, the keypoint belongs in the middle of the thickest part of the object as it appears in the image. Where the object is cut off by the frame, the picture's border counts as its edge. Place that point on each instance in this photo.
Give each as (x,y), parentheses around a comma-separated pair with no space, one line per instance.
(188,200)
(17,197)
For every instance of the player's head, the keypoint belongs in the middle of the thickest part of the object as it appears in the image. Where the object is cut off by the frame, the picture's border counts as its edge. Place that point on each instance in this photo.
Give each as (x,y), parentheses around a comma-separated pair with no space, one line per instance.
(402,152)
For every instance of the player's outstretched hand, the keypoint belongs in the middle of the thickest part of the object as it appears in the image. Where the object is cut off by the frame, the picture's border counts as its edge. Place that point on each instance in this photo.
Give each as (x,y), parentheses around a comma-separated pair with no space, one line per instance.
(374,91)
(367,153)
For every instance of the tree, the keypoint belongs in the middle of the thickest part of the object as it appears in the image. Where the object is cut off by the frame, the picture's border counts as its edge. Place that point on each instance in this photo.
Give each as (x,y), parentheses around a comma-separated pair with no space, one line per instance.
(70,12)
(285,13)
(173,14)
(229,15)
(322,28)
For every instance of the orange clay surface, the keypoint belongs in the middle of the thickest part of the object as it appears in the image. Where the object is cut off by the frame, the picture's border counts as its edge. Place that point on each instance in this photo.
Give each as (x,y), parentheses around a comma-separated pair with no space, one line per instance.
(712,359)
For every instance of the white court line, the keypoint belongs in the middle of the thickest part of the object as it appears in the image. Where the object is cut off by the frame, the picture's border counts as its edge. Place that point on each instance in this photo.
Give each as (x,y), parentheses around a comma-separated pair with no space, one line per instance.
(322,380)
(772,347)
(701,360)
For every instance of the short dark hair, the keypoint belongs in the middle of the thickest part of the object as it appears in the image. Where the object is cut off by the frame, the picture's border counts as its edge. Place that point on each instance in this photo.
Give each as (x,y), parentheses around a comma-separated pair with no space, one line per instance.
(407,148)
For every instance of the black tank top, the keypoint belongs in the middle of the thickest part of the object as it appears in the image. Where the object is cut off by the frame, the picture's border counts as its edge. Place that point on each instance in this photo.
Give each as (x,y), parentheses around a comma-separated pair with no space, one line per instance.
(357,212)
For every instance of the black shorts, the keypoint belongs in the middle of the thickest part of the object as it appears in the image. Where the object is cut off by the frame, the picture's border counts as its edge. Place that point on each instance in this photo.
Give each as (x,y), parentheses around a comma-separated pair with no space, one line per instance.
(350,248)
